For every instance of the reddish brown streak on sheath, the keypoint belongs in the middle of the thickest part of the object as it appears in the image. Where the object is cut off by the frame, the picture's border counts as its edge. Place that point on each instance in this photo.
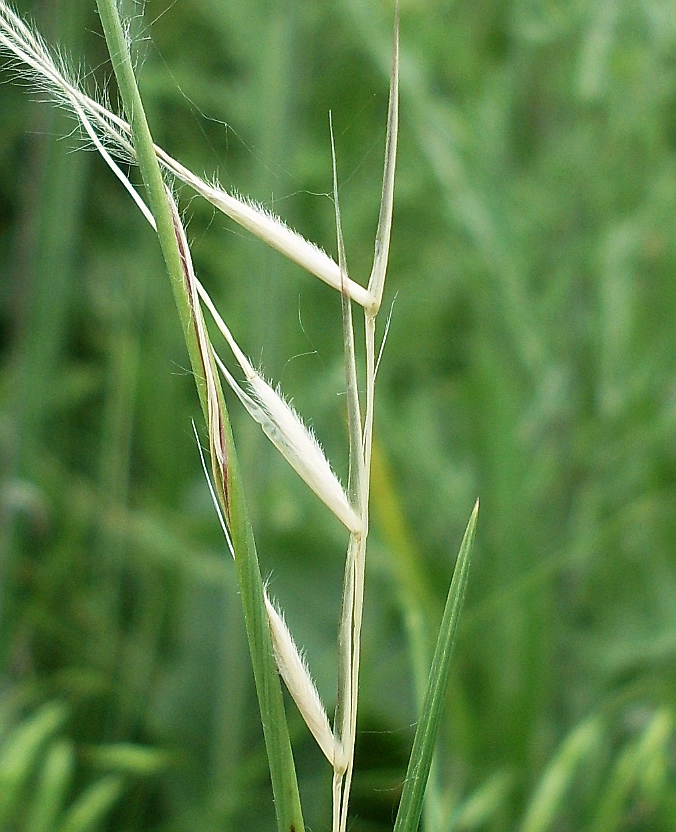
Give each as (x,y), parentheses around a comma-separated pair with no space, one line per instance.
(186,272)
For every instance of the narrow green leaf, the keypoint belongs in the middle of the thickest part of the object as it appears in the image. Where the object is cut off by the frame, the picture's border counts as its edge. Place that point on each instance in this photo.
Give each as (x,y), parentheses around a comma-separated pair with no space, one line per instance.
(410,806)
(559,774)
(52,787)
(149,166)
(92,805)
(20,752)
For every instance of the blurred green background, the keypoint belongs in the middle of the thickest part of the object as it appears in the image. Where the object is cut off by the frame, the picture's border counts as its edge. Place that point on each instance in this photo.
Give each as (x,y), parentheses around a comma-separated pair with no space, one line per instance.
(530,362)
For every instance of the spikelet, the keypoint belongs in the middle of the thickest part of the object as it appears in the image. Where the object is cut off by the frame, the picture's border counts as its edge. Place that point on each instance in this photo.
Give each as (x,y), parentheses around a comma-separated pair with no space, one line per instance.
(294,671)
(285,429)
(291,665)
(273,231)
(48,73)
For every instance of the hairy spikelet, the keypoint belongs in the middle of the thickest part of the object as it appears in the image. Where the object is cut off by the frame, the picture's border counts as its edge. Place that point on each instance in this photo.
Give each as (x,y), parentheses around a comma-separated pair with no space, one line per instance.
(299,682)
(295,441)
(48,73)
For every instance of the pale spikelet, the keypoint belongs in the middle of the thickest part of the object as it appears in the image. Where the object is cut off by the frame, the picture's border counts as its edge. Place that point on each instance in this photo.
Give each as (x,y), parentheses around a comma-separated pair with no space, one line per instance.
(296,442)
(290,662)
(49,73)
(278,235)
(300,447)
(285,429)
(294,671)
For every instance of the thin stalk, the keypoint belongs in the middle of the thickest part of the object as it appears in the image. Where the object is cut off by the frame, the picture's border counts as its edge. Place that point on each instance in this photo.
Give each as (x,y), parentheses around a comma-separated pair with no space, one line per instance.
(347,692)
(358,566)
(144,150)
(228,484)
(351,385)
(345,640)
(353,600)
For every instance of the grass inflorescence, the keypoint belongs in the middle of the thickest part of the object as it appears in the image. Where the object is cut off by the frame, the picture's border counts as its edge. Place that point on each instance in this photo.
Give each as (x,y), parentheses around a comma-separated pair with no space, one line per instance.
(529,360)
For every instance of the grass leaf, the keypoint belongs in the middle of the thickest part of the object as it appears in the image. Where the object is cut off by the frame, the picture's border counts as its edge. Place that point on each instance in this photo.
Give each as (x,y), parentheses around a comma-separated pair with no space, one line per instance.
(558,776)
(20,752)
(92,805)
(52,786)
(410,806)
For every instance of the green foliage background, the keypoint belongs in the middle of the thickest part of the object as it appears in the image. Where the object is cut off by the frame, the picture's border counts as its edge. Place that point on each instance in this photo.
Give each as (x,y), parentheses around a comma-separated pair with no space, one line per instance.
(530,361)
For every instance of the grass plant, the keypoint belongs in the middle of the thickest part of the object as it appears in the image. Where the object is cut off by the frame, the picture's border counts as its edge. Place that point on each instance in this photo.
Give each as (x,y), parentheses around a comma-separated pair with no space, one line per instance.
(529,360)
(271,646)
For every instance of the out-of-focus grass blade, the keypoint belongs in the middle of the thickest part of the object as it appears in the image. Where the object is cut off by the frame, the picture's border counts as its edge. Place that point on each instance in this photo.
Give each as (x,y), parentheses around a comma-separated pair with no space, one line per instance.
(410,806)
(93,805)
(484,803)
(20,753)
(128,758)
(52,787)
(559,774)
(641,771)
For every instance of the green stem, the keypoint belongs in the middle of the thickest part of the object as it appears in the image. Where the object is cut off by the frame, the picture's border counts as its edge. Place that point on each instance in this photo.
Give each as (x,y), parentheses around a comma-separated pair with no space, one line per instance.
(152,177)
(268,688)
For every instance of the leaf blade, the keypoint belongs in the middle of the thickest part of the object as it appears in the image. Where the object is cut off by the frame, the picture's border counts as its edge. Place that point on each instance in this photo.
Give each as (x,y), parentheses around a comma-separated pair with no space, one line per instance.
(411,803)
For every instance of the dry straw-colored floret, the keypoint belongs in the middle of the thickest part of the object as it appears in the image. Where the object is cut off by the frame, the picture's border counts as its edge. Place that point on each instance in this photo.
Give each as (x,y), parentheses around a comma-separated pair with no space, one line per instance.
(285,429)
(293,669)
(50,74)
